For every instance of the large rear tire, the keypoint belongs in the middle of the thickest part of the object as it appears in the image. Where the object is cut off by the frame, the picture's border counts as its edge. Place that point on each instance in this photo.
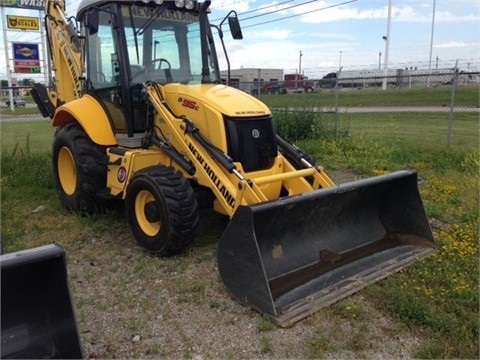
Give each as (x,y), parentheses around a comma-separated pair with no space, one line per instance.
(162,210)
(79,170)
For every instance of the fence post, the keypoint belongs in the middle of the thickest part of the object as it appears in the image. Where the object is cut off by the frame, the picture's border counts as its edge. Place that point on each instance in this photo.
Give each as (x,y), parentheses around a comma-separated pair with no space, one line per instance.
(336,100)
(452,103)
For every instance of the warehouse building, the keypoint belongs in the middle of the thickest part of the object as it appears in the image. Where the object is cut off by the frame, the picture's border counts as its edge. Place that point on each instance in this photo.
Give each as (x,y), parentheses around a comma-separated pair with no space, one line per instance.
(251,79)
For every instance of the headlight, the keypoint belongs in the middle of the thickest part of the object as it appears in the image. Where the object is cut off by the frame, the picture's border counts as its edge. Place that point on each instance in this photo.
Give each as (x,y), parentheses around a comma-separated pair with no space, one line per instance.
(179,3)
(189,4)
(159,2)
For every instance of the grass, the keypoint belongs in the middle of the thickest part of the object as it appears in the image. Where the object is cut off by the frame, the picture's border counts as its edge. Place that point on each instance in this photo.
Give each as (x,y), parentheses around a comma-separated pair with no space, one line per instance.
(436,96)
(394,127)
(427,128)
(29,136)
(437,297)
(440,295)
(434,300)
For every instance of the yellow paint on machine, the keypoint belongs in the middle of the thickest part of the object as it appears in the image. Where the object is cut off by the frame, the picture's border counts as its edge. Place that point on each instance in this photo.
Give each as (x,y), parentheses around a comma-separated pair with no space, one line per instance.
(90,115)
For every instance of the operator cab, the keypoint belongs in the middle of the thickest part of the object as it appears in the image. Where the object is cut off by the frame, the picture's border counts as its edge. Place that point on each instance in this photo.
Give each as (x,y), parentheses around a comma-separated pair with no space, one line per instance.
(131,43)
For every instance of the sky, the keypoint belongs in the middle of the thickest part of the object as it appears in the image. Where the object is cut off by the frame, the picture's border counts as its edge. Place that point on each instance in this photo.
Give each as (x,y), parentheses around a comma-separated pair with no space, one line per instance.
(334,33)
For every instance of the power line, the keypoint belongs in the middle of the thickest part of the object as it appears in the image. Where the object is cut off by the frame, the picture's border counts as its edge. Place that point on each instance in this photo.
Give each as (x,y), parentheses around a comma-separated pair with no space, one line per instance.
(299,14)
(258,9)
(282,9)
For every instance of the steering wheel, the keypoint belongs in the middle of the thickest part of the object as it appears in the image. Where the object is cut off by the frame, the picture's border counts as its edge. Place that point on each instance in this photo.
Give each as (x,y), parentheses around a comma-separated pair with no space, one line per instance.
(150,68)
(160,61)
(101,77)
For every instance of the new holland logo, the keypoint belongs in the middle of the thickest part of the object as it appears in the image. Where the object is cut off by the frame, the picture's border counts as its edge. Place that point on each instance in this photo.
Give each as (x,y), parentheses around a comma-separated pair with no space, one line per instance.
(23,22)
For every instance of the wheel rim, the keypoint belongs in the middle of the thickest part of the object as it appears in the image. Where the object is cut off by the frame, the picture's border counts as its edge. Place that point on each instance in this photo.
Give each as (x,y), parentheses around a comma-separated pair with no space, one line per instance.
(67,172)
(147,213)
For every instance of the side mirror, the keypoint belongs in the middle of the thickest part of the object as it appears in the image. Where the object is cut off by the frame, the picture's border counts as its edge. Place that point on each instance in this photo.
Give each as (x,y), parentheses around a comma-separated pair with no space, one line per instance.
(92,22)
(235,28)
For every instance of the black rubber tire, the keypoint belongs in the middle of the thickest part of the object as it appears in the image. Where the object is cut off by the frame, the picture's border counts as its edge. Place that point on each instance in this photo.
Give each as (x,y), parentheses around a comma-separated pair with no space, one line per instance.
(162,210)
(79,170)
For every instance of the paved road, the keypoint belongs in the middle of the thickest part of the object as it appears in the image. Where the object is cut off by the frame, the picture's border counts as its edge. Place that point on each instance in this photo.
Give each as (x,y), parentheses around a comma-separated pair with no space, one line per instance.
(377,109)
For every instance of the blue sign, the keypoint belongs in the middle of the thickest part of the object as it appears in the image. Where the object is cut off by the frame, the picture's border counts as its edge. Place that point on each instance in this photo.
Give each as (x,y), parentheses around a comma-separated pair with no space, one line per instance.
(25,51)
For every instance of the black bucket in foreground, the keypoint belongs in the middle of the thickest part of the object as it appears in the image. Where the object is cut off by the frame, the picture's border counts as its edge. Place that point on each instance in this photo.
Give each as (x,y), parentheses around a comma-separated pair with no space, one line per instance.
(37,316)
(290,257)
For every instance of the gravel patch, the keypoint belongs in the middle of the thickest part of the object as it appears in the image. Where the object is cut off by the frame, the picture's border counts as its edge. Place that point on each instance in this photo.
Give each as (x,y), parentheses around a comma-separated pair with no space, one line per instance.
(130,304)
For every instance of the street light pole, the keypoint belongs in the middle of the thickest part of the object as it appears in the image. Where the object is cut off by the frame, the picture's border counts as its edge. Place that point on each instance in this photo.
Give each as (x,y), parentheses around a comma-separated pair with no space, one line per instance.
(340,60)
(379,60)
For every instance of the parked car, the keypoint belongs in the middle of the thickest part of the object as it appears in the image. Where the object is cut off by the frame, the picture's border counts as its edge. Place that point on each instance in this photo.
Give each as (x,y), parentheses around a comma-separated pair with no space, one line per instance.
(17,102)
(328,81)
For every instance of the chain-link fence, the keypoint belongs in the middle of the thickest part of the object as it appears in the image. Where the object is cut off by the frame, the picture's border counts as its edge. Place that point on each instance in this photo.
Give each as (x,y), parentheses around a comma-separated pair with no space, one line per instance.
(441,109)
(437,108)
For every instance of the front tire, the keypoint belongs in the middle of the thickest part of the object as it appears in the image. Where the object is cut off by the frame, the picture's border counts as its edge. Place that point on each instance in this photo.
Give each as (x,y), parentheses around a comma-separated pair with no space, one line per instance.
(162,210)
(79,169)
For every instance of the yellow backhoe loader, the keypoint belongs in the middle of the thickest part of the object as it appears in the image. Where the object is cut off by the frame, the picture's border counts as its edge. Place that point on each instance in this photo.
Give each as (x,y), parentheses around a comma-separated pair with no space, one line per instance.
(142,115)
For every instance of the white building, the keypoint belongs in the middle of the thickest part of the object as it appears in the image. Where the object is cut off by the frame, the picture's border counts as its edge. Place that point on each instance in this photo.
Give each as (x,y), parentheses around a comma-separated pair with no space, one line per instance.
(251,79)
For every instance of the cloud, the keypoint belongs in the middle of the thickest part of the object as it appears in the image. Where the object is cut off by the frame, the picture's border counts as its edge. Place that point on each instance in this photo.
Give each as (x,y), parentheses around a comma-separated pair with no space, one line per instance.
(227,5)
(332,35)
(453,44)
(275,34)
(314,13)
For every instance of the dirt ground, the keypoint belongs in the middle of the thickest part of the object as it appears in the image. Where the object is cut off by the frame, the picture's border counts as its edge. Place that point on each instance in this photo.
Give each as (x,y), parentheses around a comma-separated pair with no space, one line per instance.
(131,304)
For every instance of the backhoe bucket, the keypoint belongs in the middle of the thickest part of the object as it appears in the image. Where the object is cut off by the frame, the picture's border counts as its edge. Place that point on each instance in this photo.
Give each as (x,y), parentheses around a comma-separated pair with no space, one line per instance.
(37,315)
(290,257)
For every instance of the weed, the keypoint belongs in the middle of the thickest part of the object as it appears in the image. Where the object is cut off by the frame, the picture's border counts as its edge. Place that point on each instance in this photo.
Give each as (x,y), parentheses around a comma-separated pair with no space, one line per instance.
(156,350)
(265,345)
(319,345)
(295,125)
(265,324)
(350,310)
(360,338)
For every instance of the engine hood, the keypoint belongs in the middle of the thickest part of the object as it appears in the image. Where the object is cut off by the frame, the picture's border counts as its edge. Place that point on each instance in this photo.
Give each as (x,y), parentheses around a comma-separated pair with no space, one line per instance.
(225,99)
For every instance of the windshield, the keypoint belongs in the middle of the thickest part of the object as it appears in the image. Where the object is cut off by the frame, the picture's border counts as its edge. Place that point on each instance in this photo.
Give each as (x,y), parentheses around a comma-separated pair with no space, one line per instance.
(163,45)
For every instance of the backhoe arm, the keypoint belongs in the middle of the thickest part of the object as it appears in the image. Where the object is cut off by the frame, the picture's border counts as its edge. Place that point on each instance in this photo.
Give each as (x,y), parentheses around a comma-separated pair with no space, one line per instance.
(65,51)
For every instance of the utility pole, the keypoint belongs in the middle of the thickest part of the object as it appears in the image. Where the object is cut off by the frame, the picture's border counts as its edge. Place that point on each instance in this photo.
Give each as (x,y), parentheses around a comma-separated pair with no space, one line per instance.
(431,44)
(300,62)
(299,69)
(387,45)
(379,60)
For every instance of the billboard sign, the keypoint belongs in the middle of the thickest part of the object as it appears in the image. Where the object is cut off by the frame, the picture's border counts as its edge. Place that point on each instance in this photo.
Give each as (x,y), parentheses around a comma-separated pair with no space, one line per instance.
(25,51)
(26,58)
(23,22)
(24,4)
(26,67)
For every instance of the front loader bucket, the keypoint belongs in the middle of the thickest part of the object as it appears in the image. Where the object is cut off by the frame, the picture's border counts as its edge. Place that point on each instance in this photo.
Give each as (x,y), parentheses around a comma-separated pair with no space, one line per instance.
(288,258)
(37,314)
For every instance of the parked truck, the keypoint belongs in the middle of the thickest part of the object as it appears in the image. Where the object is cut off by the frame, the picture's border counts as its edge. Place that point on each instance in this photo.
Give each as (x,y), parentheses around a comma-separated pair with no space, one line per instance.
(298,83)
